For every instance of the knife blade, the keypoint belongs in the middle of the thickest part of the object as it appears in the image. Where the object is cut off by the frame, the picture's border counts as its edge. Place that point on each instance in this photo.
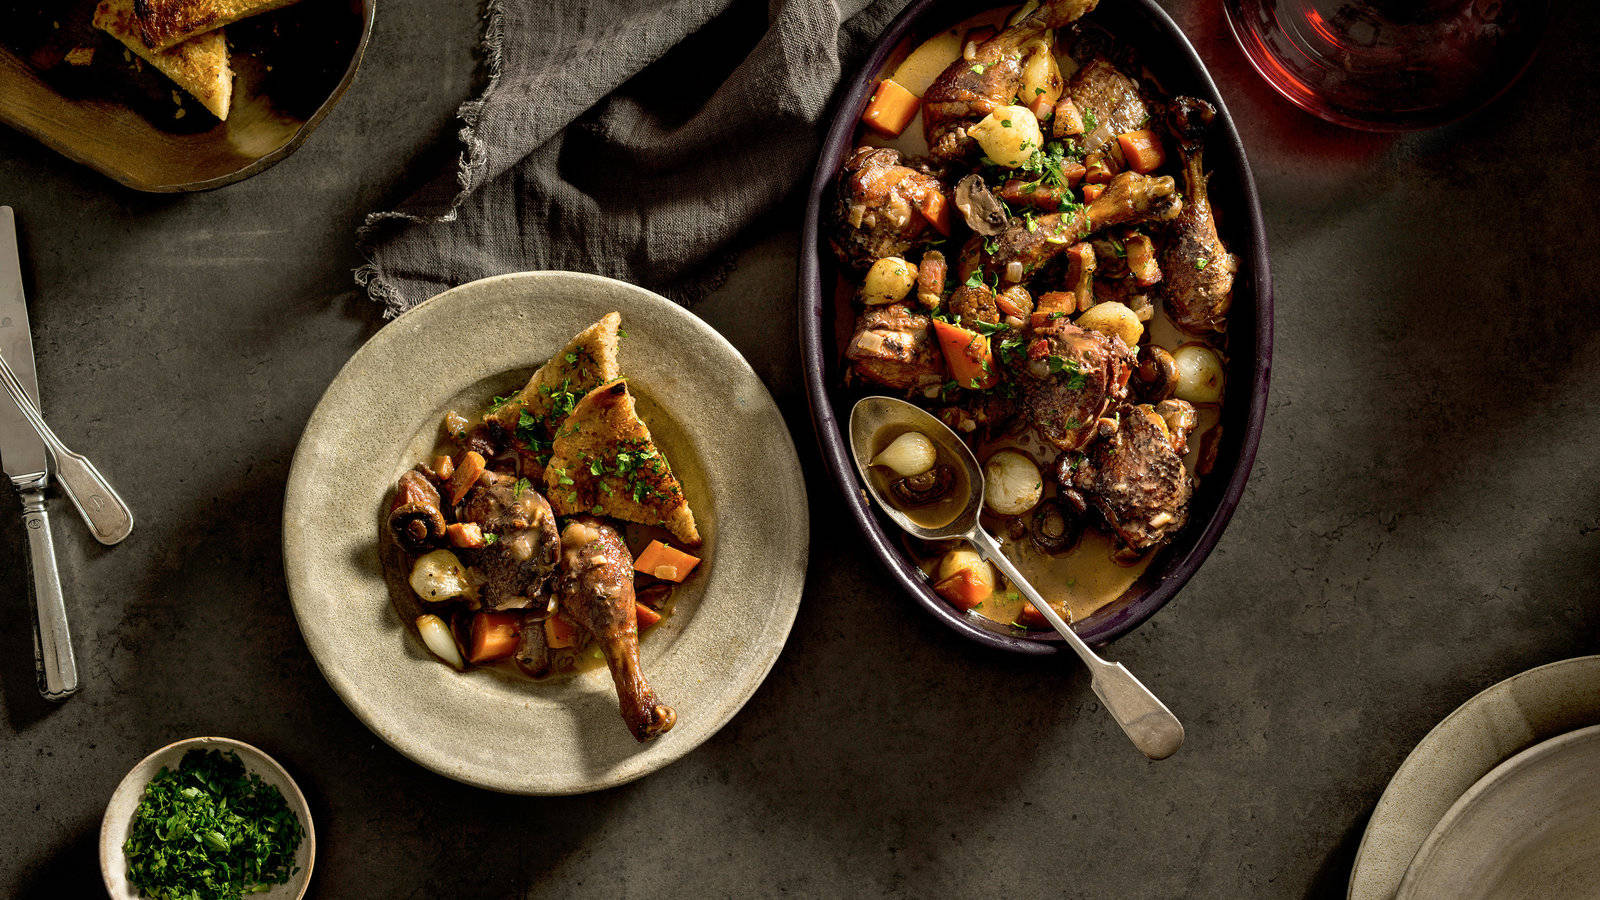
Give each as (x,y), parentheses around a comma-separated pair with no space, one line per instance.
(22,453)
(24,458)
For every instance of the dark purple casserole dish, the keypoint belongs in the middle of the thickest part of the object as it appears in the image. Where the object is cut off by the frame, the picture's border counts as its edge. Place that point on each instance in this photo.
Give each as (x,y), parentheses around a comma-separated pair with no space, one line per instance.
(1172,61)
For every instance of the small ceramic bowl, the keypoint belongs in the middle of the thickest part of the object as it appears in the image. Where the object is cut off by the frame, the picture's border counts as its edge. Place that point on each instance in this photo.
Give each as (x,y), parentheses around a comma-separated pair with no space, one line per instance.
(119,814)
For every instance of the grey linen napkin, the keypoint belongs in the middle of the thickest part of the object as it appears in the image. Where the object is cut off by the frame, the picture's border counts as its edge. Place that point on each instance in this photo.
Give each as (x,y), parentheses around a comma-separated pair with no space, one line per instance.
(628,138)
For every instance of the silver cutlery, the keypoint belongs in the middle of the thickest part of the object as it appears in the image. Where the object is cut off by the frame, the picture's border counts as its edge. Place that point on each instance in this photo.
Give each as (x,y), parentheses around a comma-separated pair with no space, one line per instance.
(1144,718)
(108,517)
(25,458)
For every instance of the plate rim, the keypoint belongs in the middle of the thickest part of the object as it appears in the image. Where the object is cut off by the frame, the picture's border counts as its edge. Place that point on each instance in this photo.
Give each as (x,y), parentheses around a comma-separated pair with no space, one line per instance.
(787,610)
(815,334)
(1371,877)
(1482,789)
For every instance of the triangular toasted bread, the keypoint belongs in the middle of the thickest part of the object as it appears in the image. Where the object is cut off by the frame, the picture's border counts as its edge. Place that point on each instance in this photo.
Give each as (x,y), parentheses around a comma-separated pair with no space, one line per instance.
(167,23)
(199,66)
(604,462)
(588,361)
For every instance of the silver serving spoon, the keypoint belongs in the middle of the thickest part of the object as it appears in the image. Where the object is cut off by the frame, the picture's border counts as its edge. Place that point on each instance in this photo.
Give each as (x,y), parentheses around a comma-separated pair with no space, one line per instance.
(1145,719)
(108,517)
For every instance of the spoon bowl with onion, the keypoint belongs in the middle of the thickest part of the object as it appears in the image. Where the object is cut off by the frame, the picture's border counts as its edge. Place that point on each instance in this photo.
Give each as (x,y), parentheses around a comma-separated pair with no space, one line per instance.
(1142,716)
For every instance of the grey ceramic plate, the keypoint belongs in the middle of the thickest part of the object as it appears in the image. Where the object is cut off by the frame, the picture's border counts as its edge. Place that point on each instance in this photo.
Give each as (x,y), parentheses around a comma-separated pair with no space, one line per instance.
(727,443)
(1493,726)
(118,819)
(1526,831)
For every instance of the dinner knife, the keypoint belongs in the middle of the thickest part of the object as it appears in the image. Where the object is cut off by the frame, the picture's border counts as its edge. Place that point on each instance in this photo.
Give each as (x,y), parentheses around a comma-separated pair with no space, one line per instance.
(25,460)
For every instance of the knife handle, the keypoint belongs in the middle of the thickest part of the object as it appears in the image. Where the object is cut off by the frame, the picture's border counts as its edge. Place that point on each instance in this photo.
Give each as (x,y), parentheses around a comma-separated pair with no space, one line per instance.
(52,642)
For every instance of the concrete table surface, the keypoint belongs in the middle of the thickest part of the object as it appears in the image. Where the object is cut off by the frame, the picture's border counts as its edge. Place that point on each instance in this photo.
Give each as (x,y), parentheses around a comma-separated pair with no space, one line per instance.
(1424,519)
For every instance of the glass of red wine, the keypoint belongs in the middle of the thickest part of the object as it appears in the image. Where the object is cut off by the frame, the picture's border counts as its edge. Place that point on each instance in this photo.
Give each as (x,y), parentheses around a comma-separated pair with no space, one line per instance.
(1389,65)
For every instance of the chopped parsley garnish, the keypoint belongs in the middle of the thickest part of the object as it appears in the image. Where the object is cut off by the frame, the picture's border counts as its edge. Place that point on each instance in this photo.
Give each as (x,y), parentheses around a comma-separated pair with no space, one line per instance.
(979,67)
(1201,263)
(490,537)
(521,485)
(1089,122)
(210,829)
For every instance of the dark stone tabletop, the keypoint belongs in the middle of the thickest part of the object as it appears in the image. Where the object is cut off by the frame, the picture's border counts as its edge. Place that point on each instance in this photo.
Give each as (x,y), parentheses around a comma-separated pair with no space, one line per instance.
(1423,520)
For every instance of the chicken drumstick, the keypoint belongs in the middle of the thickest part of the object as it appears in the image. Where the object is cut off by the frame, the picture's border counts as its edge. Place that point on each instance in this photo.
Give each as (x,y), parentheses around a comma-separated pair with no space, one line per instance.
(596,592)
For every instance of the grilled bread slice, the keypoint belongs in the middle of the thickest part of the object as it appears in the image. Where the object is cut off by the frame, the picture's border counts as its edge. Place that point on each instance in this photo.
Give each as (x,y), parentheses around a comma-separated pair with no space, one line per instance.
(588,361)
(167,23)
(199,66)
(604,462)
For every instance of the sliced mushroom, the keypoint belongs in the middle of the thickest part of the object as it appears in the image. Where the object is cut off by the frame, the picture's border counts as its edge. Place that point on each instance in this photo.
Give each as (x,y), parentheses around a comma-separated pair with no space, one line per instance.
(984,212)
(1155,375)
(414,517)
(1051,530)
(921,490)
(1181,420)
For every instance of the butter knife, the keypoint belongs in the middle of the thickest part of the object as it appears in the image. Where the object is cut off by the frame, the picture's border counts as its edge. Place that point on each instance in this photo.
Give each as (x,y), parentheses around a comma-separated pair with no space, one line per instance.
(24,458)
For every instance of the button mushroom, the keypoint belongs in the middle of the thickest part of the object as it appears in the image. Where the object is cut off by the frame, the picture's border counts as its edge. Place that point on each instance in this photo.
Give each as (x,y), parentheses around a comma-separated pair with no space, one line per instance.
(1155,374)
(1051,530)
(924,489)
(415,517)
(984,212)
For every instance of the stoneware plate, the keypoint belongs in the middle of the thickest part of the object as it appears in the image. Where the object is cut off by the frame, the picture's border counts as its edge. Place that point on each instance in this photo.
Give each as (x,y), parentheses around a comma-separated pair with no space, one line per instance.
(727,443)
(1524,710)
(1529,829)
(125,799)
(290,67)
(1168,54)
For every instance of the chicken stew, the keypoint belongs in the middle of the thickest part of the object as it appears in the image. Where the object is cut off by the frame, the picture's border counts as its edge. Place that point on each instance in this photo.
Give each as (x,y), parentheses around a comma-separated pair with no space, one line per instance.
(1037,263)
(517,538)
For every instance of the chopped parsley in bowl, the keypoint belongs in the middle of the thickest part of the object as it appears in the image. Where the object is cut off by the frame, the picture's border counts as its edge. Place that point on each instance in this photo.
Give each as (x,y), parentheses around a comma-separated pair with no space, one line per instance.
(206,818)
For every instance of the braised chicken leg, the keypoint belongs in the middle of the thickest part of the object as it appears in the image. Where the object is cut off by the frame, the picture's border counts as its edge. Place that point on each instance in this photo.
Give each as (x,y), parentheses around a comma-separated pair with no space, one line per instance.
(971,88)
(596,592)
(520,563)
(1130,197)
(1198,269)
(1135,477)
(878,211)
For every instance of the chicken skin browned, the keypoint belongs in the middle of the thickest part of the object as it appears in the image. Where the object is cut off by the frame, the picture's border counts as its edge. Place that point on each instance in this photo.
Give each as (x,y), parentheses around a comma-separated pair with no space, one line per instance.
(520,564)
(878,209)
(1026,245)
(596,592)
(1198,269)
(893,346)
(971,88)
(1071,377)
(1134,478)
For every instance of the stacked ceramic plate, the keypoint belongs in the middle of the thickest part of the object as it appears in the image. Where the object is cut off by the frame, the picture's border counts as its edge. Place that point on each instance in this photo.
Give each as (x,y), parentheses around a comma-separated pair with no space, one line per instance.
(1501,799)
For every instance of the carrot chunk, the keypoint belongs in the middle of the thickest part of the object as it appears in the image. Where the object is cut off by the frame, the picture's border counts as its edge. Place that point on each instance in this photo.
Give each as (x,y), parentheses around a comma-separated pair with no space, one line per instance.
(467,535)
(559,632)
(1092,192)
(963,590)
(1143,151)
(647,616)
(494,636)
(666,563)
(891,108)
(466,475)
(1032,617)
(969,355)
(935,207)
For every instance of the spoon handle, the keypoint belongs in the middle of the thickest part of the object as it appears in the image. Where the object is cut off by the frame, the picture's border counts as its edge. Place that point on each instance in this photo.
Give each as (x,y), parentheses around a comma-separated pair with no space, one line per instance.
(1144,718)
(108,517)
